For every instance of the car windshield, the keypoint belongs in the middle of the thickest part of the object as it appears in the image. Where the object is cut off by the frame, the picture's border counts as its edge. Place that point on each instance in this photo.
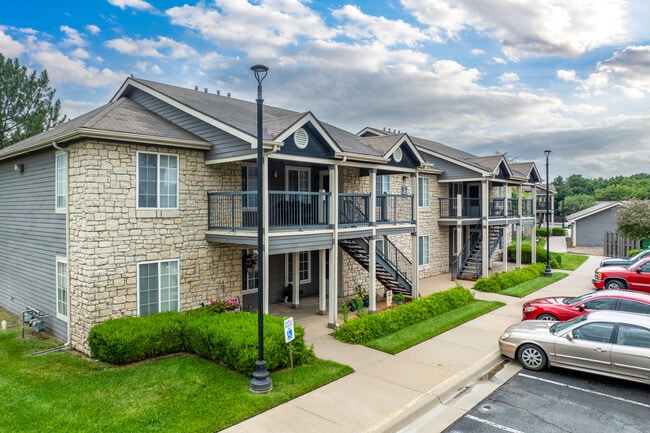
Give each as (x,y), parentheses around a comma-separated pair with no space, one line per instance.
(559,327)
(576,299)
(638,256)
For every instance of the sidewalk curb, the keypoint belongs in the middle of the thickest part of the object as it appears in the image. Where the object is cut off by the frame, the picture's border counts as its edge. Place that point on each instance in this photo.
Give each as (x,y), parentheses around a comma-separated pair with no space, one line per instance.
(437,396)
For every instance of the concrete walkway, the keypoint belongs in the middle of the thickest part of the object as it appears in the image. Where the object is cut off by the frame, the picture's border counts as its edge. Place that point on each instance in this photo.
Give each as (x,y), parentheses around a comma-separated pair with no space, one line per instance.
(422,387)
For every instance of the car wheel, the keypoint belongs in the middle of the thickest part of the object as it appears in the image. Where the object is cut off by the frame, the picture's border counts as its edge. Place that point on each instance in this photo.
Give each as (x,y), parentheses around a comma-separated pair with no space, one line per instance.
(547,316)
(532,357)
(615,285)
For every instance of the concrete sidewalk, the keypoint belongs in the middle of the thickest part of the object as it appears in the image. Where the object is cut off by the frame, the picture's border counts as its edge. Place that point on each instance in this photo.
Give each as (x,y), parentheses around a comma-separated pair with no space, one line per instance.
(422,387)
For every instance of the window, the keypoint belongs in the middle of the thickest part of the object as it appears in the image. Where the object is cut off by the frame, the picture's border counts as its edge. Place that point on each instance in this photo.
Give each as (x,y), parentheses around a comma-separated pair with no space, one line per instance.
(61,180)
(630,335)
(423,191)
(158,284)
(251,271)
(298,179)
(599,332)
(634,306)
(62,288)
(601,304)
(157,181)
(304,267)
(423,250)
(249,184)
(383,184)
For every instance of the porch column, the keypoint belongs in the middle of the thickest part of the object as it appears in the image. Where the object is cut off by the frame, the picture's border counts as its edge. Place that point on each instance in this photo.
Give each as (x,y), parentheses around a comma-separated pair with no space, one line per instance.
(322,284)
(533,233)
(520,228)
(372,274)
(265,235)
(415,273)
(295,266)
(505,236)
(485,238)
(334,251)
(459,233)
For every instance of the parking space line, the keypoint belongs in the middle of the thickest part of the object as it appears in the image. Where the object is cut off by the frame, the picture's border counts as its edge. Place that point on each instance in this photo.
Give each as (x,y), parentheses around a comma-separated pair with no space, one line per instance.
(493,424)
(601,394)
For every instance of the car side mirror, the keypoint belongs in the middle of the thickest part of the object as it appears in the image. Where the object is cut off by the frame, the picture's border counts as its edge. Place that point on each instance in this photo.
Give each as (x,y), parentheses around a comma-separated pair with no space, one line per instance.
(581,307)
(569,336)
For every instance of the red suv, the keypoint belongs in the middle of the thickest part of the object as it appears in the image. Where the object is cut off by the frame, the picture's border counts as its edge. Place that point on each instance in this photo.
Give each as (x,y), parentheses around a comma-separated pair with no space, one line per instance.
(635,276)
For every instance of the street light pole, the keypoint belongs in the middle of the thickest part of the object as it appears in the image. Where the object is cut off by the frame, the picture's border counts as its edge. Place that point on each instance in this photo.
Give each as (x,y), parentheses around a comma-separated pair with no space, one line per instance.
(261,382)
(547,271)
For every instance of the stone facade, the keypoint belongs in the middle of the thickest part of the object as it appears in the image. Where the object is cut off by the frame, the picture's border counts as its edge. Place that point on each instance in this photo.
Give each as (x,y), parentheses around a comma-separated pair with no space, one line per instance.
(108,236)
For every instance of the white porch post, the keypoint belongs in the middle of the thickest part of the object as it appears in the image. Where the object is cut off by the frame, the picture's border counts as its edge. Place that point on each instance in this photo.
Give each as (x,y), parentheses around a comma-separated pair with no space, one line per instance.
(415,278)
(322,283)
(334,251)
(459,231)
(533,234)
(485,238)
(372,244)
(265,225)
(520,228)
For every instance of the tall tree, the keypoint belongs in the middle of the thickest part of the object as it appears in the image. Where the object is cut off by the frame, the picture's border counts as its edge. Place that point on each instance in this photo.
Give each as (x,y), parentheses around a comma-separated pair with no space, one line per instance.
(27,104)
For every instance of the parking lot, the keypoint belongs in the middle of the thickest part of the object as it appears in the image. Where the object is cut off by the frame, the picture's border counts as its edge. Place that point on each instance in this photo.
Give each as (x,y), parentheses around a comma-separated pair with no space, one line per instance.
(560,401)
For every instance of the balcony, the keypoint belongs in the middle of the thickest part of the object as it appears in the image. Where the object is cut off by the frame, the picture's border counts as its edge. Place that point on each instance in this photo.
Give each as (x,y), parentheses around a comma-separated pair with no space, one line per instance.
(471,208)
(292,210)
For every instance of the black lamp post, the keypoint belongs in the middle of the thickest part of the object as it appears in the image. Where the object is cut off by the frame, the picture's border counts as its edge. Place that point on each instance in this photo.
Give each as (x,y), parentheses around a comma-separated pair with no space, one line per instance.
(547,271)
(261,382)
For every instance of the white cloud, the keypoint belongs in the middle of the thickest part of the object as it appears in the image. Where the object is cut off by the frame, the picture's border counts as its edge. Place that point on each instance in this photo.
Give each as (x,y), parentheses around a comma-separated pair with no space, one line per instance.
(10,47)
(163,47)
(630,65)
(135,4)
(543,27)
(567,75)
(72,37)
(93,29)
(509,77)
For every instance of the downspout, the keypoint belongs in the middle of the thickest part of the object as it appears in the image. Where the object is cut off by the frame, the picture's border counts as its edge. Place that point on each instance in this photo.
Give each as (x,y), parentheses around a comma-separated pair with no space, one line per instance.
(67,234)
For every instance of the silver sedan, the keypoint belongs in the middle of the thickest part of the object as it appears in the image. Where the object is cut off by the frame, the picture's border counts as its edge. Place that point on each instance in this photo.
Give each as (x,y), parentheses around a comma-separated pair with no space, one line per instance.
(610,343)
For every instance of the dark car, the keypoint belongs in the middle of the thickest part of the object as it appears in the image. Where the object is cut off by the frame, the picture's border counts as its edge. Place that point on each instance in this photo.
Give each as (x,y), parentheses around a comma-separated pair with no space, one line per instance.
(625,261)
(565,308)
(635,276)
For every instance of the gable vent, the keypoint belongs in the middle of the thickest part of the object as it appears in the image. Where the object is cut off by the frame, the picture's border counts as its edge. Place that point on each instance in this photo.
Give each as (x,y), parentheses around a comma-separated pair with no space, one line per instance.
(301,138)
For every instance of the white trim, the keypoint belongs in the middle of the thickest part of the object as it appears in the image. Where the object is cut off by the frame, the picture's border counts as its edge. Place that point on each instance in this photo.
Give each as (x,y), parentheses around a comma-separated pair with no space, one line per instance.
(289,263)
(423,194)
(57,208)
(424,260)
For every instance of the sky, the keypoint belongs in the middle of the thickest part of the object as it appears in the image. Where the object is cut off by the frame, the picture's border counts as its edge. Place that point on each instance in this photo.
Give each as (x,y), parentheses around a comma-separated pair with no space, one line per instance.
(516,77)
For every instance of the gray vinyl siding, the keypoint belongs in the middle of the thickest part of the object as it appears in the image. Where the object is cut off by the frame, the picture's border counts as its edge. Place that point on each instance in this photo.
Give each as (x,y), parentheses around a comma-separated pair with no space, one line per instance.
(32,235)
(452,171)
(223,144)
(590,230)
(296,243)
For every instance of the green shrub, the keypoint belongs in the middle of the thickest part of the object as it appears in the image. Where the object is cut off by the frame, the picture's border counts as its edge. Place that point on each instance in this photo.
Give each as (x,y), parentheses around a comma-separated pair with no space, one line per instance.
(131,339)
(555,231)
(633,252)
(498,282)
(229,339)
(555,259)
(373,326)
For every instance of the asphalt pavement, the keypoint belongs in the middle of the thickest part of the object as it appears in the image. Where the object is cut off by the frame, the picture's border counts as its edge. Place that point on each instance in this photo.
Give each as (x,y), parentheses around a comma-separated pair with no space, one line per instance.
(428,383)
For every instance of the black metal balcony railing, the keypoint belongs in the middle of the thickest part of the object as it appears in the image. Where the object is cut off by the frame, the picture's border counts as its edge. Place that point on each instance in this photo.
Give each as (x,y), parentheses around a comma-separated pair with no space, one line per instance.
(292,210)
(471,207)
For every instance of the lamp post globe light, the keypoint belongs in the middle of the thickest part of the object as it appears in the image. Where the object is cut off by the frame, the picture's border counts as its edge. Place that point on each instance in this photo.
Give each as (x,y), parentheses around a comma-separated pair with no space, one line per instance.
(261,382)
(547,271)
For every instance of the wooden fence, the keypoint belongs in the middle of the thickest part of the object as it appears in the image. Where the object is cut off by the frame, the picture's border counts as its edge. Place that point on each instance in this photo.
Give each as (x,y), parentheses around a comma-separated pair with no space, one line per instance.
(618,246)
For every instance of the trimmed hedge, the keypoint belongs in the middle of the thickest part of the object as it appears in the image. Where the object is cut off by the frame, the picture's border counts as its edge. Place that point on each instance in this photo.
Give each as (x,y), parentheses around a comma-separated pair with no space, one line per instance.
(555,259)
(373,326)
(498,282)
(130,339)
(555,231)
(228,338)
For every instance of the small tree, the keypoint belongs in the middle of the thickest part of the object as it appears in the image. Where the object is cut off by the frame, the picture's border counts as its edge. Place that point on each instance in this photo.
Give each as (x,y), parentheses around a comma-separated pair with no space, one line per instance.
(633,219)
(27,104)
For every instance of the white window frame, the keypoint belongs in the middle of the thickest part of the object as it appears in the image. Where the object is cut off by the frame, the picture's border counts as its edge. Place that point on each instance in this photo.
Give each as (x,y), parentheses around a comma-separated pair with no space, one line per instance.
(423,192)
(158,180)
(423,256)
(159,288)
(62,288)
(250,204)
(382,183)
(61,182)
(288,268)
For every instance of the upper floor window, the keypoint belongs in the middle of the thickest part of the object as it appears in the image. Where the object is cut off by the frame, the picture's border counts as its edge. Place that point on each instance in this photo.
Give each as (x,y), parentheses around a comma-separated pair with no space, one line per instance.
(383,184)
(157,180)
(423,192)
(61,180)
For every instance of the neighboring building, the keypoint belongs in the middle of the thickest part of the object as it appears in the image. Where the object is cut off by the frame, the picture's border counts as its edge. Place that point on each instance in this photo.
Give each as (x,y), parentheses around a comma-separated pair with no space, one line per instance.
(149,204)
(588,226)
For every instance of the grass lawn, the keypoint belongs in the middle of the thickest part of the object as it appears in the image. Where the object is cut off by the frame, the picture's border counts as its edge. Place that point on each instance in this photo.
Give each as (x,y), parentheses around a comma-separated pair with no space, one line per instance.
(64,392)
(570,262)
(415,334)
(528,287)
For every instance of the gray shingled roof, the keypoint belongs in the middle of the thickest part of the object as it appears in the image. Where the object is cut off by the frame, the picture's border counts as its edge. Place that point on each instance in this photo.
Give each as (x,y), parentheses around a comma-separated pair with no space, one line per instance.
(121,116)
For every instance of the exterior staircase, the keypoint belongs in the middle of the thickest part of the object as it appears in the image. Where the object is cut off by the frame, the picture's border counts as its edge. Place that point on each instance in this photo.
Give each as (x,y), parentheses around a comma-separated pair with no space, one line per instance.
(472,267)
(392,270)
